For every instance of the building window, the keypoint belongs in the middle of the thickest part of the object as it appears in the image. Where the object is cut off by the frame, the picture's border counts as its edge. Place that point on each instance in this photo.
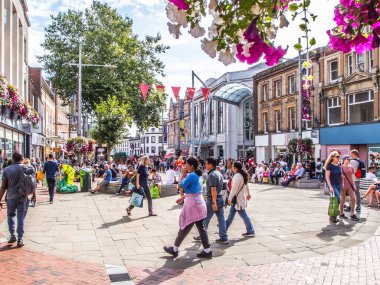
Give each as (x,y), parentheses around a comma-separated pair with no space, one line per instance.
(211,123)
(248,120)
(220,117)
(360,62)
(159,139)
(333,70)
(196,120)
(153,130)
(159,149)
(153,149)
(371,60)
(334,111)
(147,149)
(278,121)
(277,88)
(265,122)
(350,68)
(360,107)
(265,92)
(147,139)
(153,139)
(291,84)
(292,119)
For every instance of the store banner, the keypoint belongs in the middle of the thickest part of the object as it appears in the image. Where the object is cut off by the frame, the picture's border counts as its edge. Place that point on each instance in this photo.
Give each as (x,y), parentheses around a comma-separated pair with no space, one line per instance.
(306,101)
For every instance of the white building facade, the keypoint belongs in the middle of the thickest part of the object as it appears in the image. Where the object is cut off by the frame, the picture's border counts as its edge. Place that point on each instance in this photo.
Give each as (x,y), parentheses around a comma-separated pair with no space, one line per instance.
(223,126)
(152,141)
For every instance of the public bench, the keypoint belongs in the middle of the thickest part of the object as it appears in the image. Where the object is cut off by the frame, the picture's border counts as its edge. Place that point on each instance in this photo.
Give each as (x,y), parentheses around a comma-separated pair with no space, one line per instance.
(306,183)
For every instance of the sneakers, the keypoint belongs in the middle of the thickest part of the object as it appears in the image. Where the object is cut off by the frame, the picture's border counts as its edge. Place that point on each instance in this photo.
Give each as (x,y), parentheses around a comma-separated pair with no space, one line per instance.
(354,218)
(170,250)
(343,216)
(222,241)
(13,239)
(249,235)
(204,254)
(20,243)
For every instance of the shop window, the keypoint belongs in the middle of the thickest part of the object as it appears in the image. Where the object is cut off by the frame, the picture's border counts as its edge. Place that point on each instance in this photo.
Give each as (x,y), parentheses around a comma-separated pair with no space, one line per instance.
(360,62)
(350,68)
(278,121)
(291,84)
(334,111)
(360,107)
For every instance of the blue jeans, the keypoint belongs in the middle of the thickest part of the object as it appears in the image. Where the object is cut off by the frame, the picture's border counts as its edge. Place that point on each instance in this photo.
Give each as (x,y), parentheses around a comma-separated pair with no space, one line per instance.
(219,214)
(243,215)
(337,189)
(19,206)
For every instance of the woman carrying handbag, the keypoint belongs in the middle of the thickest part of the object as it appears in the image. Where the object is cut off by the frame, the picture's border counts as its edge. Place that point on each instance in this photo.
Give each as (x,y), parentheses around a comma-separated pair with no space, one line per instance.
(238,199)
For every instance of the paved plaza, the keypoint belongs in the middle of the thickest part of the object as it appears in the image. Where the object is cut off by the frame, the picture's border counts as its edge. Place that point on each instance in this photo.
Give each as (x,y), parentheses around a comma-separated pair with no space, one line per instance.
(294,243)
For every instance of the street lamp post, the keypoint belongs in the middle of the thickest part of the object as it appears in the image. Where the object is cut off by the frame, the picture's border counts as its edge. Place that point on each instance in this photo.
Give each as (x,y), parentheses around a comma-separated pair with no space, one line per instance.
(80,65)
(247,125)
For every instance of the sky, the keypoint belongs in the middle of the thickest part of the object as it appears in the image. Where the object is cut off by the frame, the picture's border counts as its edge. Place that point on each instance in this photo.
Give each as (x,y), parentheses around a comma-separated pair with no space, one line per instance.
(185,54)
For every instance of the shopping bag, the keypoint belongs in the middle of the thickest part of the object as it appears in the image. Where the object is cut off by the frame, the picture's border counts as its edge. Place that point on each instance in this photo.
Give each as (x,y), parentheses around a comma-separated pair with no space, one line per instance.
(40,175)
(333,206)
(136,200)
(155,192)
(44,182)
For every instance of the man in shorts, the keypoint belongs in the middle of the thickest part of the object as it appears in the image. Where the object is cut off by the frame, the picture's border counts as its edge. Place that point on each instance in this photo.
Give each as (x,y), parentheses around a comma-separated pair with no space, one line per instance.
(107,176)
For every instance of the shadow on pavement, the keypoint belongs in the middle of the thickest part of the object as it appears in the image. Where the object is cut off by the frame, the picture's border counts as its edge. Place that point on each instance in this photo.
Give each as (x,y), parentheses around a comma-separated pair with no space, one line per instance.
(174,267)
(123,220)
(340,229)
(8,247)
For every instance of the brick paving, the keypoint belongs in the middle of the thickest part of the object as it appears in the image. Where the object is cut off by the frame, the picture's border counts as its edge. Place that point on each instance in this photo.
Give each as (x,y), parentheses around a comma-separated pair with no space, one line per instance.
(358,265)
(24,267)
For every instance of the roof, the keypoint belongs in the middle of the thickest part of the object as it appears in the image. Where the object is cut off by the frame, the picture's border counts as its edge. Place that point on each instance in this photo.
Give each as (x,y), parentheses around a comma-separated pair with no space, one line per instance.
(233,93)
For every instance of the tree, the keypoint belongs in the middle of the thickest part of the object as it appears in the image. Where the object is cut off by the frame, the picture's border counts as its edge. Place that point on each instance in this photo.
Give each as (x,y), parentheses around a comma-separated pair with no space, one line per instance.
(246,29)
(301,147)
(111,117)
(107,38)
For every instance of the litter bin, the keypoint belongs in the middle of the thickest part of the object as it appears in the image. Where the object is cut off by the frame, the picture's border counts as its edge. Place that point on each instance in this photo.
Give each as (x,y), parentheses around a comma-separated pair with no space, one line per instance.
(85,179)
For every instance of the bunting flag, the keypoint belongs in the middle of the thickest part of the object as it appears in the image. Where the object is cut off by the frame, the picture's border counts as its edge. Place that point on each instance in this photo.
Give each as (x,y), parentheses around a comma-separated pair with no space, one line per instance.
(144,89)
(206,93)
(160,90)
(191,92)
(176,92)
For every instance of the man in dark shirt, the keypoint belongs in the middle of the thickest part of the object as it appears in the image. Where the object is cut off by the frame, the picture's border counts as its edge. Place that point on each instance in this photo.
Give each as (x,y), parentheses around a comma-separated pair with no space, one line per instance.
(50,170)
(15,202)
(215,202)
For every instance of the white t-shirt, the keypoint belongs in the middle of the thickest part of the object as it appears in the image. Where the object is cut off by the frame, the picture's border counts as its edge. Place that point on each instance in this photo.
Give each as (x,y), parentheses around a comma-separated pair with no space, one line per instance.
(319,163)
(371,176)
(355,164)
(170,176)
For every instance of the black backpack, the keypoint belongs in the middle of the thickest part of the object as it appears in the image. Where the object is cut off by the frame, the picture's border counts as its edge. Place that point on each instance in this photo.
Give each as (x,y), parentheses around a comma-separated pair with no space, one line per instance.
(28,181)
(361,172)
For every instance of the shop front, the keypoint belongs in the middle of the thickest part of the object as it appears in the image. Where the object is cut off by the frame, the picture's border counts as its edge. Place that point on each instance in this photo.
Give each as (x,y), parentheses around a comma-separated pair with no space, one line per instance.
(363,137)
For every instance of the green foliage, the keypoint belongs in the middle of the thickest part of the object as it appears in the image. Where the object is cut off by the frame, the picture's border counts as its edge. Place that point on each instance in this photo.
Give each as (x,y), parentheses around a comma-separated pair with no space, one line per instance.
(301,147)
(112,117)
(107,38)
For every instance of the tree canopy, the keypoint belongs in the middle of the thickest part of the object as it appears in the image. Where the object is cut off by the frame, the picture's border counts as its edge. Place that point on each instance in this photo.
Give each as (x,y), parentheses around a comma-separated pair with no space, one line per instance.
(107,39)
(110,127)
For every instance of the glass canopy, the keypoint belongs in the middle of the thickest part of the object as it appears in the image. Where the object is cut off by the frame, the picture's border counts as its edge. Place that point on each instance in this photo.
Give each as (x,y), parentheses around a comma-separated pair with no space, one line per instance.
(233,93)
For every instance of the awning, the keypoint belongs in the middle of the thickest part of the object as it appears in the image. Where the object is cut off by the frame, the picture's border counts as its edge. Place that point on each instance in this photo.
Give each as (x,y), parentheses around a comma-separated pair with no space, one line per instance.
(232,93)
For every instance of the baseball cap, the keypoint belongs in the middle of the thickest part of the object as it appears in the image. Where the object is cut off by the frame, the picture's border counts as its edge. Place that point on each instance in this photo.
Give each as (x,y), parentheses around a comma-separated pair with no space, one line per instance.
(346,156)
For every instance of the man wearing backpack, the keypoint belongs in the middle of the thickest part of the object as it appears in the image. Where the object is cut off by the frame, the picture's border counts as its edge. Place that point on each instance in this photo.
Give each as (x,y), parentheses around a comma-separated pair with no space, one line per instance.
(50,170)
(18,185)
(360,172)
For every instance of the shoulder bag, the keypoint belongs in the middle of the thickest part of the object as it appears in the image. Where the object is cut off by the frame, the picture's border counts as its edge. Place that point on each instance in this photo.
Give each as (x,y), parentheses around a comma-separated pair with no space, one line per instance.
(234,199)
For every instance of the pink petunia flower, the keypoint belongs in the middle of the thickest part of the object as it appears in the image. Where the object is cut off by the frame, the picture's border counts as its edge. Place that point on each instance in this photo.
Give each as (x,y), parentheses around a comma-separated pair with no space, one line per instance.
(181,4)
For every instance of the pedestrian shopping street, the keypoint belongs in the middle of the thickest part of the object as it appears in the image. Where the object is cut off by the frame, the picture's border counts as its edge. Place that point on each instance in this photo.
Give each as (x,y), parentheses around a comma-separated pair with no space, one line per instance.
(294,241)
